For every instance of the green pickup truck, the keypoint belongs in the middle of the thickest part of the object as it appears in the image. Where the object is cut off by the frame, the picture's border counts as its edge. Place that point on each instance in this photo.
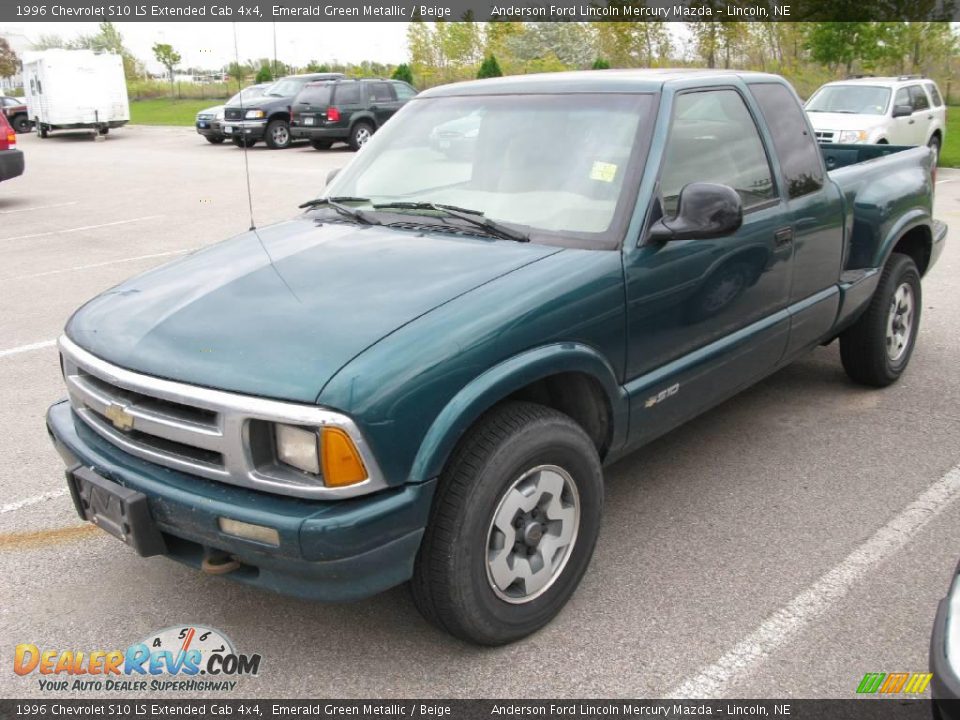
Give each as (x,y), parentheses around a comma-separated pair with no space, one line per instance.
(422,376)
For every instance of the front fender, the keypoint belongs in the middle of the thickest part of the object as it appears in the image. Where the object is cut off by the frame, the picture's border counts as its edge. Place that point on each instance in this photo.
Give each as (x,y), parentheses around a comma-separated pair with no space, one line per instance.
(506,378)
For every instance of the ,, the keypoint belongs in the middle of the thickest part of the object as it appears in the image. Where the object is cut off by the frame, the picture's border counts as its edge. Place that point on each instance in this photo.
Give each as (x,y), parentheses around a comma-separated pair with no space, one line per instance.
(514,283)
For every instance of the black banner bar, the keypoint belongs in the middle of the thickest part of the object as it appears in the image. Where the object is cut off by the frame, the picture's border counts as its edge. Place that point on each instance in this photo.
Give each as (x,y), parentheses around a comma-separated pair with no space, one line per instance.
(872,708)
(480,10)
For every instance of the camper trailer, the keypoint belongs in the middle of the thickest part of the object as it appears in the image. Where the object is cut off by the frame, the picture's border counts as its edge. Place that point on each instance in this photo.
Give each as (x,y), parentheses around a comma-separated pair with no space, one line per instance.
(75,90)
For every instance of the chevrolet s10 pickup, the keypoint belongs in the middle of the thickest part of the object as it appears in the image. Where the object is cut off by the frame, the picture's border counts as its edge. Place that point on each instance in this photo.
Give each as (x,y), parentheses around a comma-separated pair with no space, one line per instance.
(514,283)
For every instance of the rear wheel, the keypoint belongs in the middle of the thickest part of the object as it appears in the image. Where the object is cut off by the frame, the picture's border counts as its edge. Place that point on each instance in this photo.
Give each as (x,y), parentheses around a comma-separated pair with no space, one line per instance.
(877,348)
(360,134)
(21,124)
(40,128)
(105,131)
(513,526)
(321,144)
(277,136)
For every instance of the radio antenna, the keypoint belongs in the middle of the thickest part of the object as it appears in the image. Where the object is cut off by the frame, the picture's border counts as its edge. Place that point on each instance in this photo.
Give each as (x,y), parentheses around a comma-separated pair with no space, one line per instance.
(243,115)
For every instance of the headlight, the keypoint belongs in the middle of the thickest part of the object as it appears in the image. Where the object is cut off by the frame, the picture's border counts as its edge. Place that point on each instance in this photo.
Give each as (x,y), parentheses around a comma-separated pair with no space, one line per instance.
(220,115)
(254,114)
(853,136)
(326,451)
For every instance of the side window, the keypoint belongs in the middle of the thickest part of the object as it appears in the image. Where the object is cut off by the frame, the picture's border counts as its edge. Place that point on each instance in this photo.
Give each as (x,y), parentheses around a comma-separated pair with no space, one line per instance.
(918,98)
(799,154)
(714,139)
(347,94)
(934,94)
(381,92)
(33,87)
(404,91)
(903,97)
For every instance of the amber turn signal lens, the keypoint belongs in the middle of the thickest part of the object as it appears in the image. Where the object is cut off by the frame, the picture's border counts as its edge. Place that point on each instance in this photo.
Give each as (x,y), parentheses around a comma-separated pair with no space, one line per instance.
(341,461)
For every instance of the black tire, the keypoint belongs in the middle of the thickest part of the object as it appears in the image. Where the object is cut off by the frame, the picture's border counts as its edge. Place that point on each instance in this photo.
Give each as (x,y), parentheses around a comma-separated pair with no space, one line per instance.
(934,145)
(451,585)
(42,131)
(21,124)
(244,142)
(277,135)
(319,144)
(105,131)
(213,139)
(359,134)
(864,345)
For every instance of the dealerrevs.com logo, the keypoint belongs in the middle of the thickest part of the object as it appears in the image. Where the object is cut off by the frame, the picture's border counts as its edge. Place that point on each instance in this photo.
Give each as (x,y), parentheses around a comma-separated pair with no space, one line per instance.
(189,658)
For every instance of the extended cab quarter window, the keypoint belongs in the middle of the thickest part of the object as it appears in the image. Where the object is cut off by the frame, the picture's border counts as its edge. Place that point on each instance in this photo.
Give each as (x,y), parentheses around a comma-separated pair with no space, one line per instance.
(714,139)
(799,155)
(934,94)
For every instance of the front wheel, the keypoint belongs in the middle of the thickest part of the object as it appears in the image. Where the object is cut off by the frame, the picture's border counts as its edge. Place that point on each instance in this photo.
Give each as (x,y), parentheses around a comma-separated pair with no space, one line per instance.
(241,142)
(21,124)
(319,144)
(934,145)
(513,526)
(278,135)
(877,348)
(213,139)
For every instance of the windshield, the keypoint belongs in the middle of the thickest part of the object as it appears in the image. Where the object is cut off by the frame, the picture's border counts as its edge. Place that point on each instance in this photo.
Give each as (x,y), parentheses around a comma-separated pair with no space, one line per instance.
(852,99)
(555,166)
(286,87)
(246,95)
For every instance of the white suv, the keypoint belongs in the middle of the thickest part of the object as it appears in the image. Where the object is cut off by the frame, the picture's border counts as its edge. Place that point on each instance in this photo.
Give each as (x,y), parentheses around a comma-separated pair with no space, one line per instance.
(906,110)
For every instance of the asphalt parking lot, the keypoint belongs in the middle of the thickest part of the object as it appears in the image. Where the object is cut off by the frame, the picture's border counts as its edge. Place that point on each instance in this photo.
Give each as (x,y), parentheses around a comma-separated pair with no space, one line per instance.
(782,545)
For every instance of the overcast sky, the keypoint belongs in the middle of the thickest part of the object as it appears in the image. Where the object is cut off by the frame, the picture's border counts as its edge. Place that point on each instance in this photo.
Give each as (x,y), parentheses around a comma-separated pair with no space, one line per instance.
(210,44)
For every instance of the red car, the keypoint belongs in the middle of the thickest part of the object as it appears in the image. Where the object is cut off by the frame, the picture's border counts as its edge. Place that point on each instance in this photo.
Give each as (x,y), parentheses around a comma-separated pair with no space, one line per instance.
(11,159)
(16,113)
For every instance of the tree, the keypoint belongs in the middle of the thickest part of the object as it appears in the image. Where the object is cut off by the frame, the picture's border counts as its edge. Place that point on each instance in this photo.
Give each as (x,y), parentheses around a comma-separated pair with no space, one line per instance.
(601,64)
(489,68)
(263,74)
(317,67)
(168,57)
(403,73)
(49,42)
(9,62)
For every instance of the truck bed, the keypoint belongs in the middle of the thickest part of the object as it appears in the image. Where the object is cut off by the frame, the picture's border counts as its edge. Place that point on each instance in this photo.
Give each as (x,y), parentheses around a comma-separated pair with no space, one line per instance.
(837,156)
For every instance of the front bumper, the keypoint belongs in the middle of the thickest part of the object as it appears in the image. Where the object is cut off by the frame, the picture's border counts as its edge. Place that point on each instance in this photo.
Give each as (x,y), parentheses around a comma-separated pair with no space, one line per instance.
(11,164)
(253,129)
(945,685)
(329,550)
(213,128)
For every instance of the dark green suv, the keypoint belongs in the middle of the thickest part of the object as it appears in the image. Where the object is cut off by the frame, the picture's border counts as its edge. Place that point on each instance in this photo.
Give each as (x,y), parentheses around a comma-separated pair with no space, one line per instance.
(346,110)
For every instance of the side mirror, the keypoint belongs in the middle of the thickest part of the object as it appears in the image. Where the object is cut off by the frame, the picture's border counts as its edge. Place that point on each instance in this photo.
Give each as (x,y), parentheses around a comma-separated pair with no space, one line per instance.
(902,110)
(704,211)
(331,175)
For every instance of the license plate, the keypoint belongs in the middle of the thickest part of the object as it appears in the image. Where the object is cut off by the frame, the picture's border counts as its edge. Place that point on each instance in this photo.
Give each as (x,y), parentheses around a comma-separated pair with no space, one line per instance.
(228,129)
(308,121)
(120,511)
(202,124)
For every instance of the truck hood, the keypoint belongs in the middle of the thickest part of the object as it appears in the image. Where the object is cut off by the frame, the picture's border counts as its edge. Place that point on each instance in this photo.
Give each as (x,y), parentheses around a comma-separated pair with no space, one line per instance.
(277,315)
(844,121)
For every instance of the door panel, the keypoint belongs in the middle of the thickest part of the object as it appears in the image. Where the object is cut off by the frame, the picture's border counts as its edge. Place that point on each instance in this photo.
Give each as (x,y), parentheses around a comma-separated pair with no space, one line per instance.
(707,316)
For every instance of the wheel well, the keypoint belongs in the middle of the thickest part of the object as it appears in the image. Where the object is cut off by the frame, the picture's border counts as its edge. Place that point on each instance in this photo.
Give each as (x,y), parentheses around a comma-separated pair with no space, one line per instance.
(917,243)
(279,116)
(368,121)
(579,396)
(936,134)
(882,141)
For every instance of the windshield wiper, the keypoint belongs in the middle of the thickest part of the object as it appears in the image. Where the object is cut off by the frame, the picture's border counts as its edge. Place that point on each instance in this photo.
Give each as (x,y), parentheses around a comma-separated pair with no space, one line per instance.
(474,217)
(335,203)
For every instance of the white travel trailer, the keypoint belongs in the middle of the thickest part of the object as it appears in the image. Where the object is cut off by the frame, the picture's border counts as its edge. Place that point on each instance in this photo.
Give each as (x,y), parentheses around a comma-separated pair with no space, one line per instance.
(75,89)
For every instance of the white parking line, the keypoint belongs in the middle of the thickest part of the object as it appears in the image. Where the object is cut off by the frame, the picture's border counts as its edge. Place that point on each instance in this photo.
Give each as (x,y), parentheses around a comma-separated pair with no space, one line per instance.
(98,265)
(941,182)
(80,229)
(38,207)
(28,348)
(43,497)
(789,621)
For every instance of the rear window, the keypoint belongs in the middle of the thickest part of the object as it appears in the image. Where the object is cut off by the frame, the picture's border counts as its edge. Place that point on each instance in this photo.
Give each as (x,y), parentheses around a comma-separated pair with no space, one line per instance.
(347,94)
(934,94)
(799,154)
(315,95)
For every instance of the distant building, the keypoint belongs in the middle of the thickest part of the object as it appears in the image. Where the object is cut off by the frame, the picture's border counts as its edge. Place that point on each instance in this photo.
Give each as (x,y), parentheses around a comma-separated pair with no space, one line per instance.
(20,44)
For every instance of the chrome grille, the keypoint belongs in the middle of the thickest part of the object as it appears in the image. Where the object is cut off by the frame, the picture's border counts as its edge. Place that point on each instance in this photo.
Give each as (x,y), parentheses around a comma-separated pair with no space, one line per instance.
(209,433)
(825,136)
(233,114)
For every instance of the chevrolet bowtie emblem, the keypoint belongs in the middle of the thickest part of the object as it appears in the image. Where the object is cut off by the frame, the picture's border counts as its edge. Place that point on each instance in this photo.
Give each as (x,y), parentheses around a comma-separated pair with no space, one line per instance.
(121,419)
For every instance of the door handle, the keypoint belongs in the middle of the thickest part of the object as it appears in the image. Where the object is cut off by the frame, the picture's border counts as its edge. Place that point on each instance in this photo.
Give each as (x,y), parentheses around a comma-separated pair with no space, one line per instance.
(783,237)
